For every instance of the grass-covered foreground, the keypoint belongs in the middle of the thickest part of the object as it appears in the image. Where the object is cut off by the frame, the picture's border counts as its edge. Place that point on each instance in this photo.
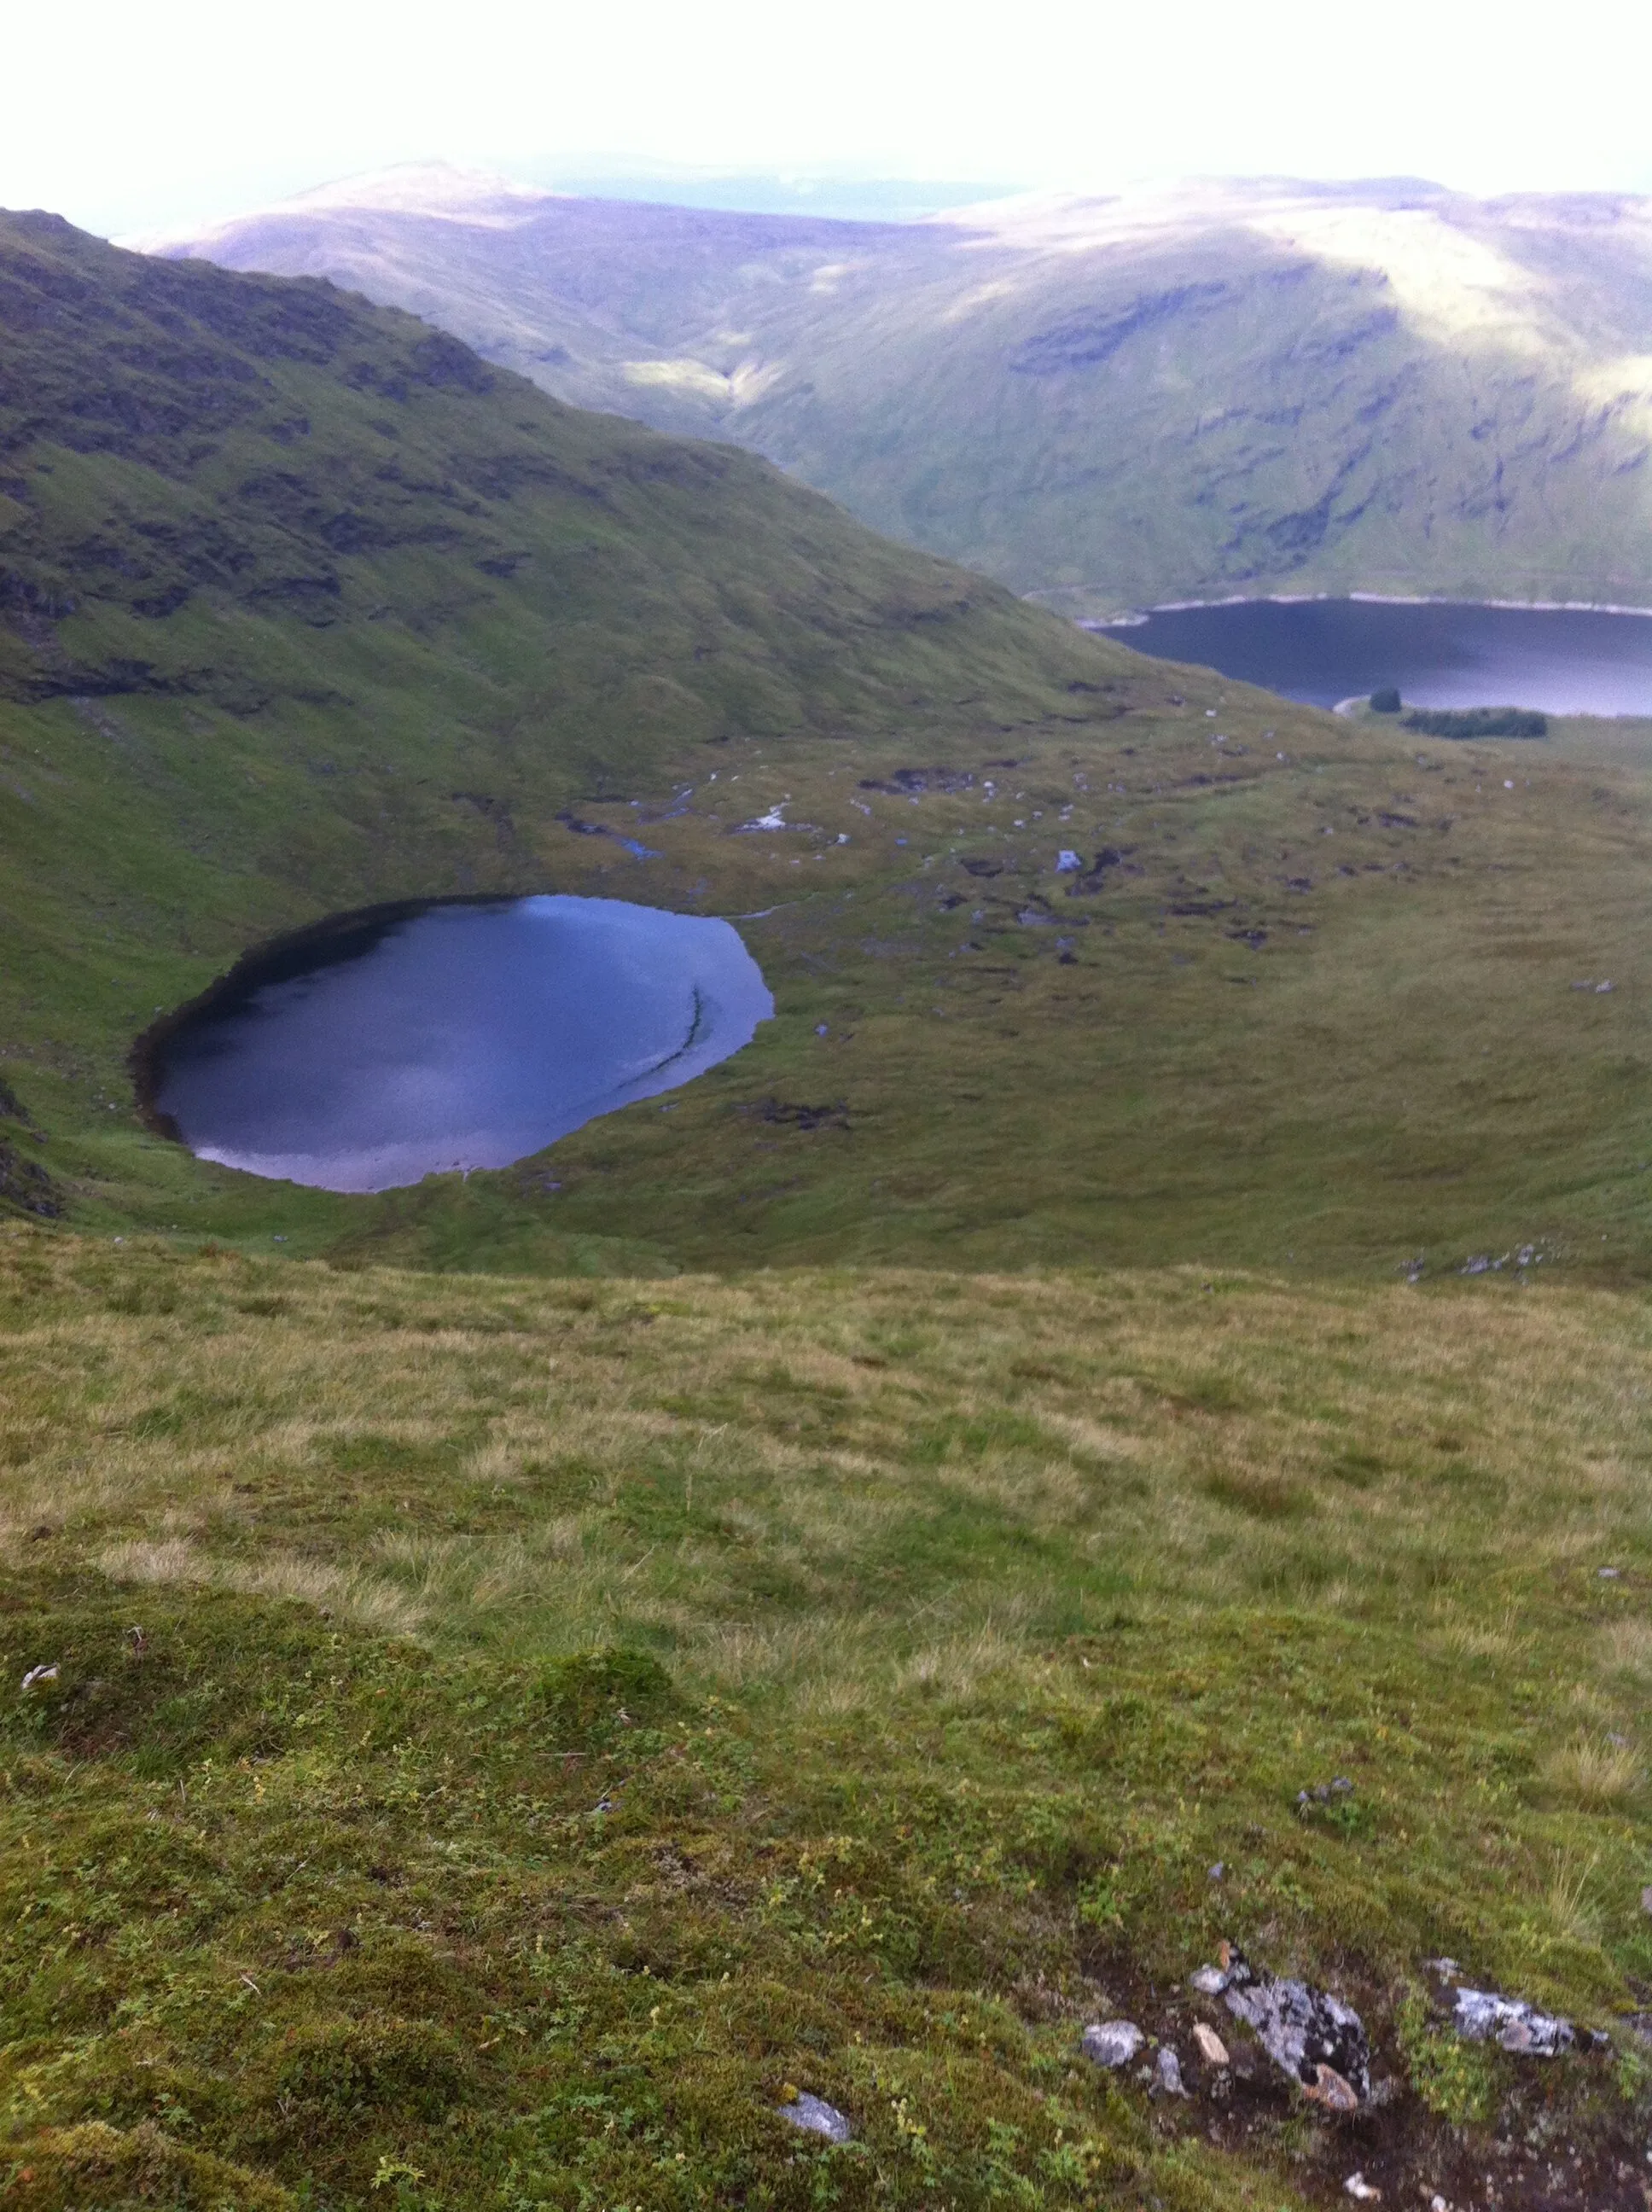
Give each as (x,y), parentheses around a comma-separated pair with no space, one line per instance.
(953,1629)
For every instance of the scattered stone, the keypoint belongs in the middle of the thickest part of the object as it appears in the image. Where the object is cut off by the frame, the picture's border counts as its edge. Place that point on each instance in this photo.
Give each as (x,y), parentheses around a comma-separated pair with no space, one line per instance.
(1361,2189)
(1322,1793)
(1067,863)
(1311,2036)
(816,2117)
(1332,2090)
(1209,1981)
(1167,2073)
(1609,1574)
(1112,2043)
(39,1674)
(1219,1871)
(1479,2016)
(1211,2049)
(1646,1899)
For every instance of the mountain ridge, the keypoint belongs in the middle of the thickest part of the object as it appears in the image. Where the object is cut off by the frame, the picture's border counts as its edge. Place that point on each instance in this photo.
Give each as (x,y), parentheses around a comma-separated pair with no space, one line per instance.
(1206,388)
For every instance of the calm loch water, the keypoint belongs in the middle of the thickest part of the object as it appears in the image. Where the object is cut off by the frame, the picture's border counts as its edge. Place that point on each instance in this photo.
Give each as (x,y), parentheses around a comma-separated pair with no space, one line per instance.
(385,1047)
(1444,653)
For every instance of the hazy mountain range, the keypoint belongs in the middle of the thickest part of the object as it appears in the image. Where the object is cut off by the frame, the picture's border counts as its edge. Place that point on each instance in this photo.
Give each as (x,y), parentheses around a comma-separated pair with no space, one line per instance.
(1210,389)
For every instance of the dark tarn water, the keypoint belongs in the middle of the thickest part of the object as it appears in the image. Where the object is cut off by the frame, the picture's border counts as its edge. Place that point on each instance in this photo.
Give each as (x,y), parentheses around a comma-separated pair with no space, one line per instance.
(1562,661)
(451,1036)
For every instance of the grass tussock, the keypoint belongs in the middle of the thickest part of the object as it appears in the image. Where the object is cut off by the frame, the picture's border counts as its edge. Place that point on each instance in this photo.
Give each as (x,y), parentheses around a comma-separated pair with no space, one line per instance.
(1599,1773)
(331,1590)
(927,1690)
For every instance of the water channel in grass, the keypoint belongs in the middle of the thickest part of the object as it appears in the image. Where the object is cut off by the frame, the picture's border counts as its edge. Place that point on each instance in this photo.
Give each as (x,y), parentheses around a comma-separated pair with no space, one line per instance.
(1580,661)
(380,1048)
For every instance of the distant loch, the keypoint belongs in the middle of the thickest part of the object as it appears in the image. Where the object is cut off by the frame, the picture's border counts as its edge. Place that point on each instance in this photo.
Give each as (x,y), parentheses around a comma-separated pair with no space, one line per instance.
(1562,660)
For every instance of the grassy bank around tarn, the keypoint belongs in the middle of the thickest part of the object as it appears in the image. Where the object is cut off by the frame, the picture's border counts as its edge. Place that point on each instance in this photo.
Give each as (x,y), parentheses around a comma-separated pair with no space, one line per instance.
(1320,1010)
(950,1632)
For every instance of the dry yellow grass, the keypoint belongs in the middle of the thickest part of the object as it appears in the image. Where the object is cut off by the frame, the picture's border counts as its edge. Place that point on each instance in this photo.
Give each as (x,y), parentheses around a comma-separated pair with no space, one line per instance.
(537,1464)
(1019,1600)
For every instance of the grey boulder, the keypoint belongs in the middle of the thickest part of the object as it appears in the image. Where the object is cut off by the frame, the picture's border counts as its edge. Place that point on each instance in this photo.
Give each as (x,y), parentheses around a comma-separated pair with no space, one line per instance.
(1313,2037)
(1112,2043)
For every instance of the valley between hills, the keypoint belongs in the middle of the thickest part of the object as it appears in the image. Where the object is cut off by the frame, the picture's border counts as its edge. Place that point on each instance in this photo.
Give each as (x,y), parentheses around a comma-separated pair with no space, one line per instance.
(1218,387)
(833,1581)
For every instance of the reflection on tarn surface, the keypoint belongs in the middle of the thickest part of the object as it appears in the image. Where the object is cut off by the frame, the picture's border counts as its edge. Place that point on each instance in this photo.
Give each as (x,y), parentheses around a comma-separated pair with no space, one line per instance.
(416,1041)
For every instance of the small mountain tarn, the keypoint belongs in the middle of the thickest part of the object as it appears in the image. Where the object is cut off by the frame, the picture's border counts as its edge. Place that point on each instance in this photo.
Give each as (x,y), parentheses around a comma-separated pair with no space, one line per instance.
(461,1035)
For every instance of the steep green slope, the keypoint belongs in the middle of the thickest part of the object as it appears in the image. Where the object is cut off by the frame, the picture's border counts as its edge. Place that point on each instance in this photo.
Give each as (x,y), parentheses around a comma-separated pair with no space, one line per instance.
(243,492)
(1109,403)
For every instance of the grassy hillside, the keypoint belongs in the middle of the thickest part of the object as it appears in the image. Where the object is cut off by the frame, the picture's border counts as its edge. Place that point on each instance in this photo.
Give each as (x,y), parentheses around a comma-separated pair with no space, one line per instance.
(525,1674)
(1308,1000)
(957,1650)
(1108,402)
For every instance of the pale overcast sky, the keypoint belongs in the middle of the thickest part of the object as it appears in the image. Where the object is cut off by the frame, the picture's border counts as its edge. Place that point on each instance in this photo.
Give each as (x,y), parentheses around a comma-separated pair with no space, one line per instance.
(127,114)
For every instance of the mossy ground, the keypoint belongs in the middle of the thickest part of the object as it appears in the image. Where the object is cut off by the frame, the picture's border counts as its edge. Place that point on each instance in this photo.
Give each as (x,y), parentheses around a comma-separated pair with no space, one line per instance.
(975,1620)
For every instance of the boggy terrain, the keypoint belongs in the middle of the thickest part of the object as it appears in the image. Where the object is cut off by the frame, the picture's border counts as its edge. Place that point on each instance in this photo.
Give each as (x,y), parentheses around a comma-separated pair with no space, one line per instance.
(966,1659)
(835,1580)
(1186,393)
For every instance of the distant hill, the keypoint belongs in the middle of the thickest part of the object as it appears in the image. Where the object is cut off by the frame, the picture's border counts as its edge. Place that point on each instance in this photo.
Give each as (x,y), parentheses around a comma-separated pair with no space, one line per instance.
(1220,388)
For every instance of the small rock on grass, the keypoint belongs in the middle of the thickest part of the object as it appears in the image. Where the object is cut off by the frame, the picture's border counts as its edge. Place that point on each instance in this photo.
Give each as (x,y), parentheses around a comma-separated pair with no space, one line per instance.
(1167,2073)
(1211,2049)
(816,2117)
(1361,2189)
(1112,2043)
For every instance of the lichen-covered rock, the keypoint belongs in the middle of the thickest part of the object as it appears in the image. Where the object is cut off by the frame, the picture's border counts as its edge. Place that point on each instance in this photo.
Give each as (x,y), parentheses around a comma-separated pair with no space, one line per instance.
(1479,2016)
(1313,2037)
